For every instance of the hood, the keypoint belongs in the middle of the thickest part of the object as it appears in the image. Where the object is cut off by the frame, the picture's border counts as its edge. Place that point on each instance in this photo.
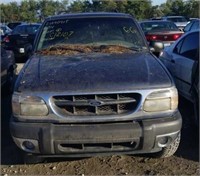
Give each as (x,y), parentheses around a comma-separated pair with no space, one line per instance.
(93,73)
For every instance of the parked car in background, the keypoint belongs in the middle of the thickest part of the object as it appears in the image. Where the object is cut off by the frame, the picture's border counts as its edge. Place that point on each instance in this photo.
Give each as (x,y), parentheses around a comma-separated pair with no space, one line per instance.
(156,18)
(93,87)
(182,60)
(8,69)
(4,31)
(180,21)
(159,33)
(192,25)
(21,40)
(12,25)
(191,19)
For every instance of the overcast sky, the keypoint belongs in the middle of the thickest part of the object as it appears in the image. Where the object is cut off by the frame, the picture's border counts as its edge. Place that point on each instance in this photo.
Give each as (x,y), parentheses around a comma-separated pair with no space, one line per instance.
(158,2)
(154,2)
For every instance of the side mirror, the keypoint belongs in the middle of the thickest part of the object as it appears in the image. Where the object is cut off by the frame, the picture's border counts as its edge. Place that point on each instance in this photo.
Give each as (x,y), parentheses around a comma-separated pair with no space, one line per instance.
(157,46)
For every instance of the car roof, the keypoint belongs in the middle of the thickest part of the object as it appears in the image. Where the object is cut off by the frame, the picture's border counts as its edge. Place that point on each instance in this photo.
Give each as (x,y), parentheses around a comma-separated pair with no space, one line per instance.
(16,22)
(195,30)
(4,25)
(174,16)
(188,33)
(91,14)
(194,20)
(30,24)
(155,21)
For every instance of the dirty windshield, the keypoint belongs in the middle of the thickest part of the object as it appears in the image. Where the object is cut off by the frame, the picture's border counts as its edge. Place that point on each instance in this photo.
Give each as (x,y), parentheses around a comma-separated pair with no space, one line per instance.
(87,35)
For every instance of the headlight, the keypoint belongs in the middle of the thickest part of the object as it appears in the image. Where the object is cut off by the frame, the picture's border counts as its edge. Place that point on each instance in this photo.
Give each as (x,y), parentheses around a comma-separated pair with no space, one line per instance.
(161,101)
(28,105)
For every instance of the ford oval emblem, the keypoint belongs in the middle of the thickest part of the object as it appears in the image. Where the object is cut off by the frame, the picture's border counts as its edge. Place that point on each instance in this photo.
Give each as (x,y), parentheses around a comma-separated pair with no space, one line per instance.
(95,103)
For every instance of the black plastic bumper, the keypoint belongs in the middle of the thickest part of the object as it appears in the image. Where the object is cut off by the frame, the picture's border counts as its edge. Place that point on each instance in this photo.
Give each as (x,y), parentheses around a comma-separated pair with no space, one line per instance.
(88,139)
(16,51)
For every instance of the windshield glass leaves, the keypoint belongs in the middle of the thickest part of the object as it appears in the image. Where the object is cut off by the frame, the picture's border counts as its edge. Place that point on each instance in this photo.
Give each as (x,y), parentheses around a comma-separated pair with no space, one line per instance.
(84,35)
(62,49)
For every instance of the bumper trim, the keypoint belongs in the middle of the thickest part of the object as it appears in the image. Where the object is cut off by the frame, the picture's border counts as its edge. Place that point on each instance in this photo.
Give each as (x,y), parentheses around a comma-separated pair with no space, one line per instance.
(75,139)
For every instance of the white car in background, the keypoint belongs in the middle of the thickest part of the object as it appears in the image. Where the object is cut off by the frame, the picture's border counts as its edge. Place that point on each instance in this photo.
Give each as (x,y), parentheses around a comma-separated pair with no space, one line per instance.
(4,30)
(179,21)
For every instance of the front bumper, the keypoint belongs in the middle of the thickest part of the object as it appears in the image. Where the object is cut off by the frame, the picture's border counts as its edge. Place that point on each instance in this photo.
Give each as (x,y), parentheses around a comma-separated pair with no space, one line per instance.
(19,51)
(88,139)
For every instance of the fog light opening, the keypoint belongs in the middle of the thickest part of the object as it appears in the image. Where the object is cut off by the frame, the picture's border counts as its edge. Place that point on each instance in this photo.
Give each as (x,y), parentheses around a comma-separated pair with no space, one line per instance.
(28,145)
(163,141)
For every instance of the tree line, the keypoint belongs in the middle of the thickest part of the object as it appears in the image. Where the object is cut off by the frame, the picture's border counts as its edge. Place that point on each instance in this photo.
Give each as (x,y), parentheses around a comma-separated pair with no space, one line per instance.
(38,10)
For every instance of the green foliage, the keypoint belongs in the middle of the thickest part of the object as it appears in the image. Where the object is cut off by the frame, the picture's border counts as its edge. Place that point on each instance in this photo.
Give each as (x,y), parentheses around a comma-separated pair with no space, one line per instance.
(192,8)
(31,10)
(29,6)
(189,8)
(77,6)
(139,9)
(10,12)
(37,10)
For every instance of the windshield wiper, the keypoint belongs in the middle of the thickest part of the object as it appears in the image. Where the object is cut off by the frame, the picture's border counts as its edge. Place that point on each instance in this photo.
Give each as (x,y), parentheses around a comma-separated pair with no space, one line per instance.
(139,49)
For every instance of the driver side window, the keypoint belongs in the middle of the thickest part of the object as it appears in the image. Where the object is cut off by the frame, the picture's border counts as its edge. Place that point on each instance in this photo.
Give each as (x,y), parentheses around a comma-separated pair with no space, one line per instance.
(189,46)
(178,47)
(187,28)
(195,25)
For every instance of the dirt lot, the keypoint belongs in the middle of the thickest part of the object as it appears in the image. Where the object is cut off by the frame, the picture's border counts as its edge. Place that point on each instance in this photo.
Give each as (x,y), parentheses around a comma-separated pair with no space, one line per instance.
(184,162)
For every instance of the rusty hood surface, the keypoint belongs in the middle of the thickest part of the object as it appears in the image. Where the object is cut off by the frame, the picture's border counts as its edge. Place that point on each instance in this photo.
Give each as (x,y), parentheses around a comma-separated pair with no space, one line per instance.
(92,73)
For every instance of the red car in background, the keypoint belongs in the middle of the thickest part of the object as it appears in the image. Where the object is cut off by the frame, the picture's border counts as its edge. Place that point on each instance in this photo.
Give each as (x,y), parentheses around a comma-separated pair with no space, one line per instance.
(160,34)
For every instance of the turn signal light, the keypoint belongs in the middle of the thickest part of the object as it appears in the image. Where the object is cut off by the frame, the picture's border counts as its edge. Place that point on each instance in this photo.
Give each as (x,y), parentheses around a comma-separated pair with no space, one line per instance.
(151,37)
(176,36)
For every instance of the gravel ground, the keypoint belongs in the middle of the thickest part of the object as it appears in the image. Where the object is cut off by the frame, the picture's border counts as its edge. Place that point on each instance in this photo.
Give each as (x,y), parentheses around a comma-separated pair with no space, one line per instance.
(184,162)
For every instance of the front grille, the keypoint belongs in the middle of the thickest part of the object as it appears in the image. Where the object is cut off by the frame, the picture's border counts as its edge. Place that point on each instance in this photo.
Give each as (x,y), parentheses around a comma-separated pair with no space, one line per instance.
(101,104)
(97,147)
